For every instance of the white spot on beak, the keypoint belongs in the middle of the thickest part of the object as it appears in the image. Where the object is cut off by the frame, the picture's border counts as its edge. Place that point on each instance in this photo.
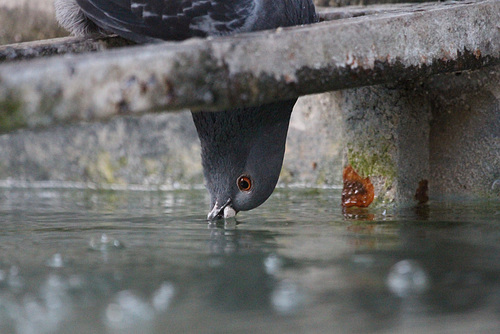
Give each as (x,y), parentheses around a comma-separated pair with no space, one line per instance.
(224,211)
(229,212)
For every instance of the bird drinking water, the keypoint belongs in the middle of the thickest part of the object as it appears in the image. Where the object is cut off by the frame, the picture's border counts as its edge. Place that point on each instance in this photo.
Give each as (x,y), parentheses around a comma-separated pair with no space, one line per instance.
(242,149)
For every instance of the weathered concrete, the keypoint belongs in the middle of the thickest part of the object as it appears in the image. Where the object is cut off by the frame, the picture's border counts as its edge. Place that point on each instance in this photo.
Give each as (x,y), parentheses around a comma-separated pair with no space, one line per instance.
(352,3)
(315,142)
(153,151)
(465,133)
(387,137)
(59,46)
(250,69)
(444,130)
(158,151)
(357,8)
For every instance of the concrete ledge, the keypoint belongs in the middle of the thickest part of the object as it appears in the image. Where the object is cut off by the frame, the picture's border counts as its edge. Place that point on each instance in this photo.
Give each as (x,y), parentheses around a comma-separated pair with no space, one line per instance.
(253,68)
(58,46)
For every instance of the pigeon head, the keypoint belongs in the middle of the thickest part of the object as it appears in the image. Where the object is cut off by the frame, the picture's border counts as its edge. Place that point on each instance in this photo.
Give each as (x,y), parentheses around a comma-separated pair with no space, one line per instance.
(242,154)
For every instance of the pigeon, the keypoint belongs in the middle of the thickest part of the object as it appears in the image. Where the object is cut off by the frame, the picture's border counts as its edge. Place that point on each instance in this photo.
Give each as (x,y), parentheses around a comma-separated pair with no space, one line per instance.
(242,149)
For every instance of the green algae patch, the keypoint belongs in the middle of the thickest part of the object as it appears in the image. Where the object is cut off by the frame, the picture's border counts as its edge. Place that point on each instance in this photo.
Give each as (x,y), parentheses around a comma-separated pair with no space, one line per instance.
(102,170)
(11,115)
(379,165)
(373,162)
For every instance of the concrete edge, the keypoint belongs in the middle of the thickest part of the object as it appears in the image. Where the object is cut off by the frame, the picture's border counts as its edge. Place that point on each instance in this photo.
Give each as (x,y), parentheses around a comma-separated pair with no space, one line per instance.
(251,69)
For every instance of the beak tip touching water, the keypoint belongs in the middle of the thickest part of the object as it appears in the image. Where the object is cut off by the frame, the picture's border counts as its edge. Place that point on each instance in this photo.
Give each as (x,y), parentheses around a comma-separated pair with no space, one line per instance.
(218,212)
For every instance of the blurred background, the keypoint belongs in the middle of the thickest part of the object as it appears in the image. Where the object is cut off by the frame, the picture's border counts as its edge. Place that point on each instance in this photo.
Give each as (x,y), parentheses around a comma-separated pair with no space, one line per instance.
(27,20)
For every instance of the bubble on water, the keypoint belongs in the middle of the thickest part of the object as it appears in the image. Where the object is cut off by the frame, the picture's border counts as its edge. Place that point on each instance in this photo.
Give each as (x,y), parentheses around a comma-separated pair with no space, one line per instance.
(14,280)
(273,264)
(32,317)
(46,312)
(128,311)
(56,261)
(103,243)
(287,298)
(54,293)
(36,317)
(40,311)
(407,278)
(162,297)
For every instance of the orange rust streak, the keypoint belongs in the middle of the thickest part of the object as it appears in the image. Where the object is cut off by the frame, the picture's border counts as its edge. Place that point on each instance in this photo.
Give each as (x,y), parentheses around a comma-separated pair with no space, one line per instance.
(357,191)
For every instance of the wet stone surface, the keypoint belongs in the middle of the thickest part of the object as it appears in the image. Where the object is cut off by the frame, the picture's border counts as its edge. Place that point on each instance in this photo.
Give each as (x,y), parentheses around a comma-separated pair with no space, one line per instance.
(82,261)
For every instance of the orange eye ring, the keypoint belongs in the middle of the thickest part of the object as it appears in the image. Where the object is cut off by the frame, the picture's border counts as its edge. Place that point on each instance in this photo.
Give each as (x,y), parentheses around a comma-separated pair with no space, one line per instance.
(244,183)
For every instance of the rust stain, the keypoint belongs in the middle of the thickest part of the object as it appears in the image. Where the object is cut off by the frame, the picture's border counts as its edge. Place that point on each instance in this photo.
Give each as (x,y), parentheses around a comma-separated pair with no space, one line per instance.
(447,55)
(351,61)
(289,79)
(477,53)
(421,195)
(169,89)
(143,87)
(357,191)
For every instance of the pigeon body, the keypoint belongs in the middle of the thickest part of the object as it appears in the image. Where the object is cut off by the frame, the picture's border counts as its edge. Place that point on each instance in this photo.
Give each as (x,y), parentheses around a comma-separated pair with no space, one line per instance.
(242,149)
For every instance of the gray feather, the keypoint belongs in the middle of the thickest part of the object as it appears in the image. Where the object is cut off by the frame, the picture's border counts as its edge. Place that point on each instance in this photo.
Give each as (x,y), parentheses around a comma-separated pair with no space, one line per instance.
(70,16)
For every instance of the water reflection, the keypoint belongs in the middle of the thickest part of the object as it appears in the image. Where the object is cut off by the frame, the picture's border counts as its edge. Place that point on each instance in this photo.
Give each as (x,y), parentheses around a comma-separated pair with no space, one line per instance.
(244,269)
(74,261)
(428,276)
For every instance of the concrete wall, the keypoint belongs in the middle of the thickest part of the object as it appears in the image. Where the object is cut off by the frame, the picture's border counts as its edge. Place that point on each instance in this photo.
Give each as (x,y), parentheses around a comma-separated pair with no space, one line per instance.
(163,150)
(465,132)
(155,150)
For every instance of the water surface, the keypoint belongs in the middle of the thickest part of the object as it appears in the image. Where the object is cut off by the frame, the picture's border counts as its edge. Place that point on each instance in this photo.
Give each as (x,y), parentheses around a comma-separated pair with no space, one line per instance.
(86,261)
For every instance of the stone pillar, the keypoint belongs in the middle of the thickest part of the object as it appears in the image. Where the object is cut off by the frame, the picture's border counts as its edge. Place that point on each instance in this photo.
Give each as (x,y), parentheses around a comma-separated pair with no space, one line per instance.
(465,133)
(386,135)
(444,130)
(314,144)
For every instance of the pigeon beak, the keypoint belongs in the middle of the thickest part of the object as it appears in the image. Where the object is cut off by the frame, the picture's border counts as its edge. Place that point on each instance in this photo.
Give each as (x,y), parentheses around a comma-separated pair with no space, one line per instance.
(221,211)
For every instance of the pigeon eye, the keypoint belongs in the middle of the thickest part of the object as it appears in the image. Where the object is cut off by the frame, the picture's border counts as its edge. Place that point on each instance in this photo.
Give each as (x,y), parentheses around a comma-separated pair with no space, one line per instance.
(244,183)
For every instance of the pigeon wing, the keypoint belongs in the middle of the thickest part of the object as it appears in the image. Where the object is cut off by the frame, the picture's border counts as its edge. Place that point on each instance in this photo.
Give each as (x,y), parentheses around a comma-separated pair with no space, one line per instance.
(151,20)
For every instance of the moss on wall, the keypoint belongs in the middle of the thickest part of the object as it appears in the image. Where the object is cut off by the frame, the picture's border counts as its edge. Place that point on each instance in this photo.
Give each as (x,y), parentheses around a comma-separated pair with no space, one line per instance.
(11,117)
